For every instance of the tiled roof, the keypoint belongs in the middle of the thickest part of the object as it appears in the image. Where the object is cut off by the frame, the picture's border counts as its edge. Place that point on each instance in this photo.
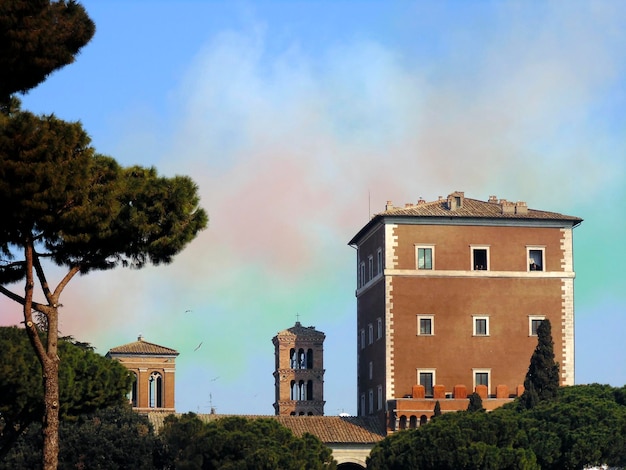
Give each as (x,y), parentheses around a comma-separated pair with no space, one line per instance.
(446,208)
(299,330)
(329,429)
(141,347)
(471,208)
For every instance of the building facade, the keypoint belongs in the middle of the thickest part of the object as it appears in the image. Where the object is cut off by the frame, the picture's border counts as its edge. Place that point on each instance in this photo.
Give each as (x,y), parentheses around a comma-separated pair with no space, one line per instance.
(299,371)
(449,297)
(153,368)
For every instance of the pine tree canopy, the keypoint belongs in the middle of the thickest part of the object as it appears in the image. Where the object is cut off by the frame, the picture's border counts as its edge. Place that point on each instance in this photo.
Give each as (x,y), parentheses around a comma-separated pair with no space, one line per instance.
(81,209)
(542,379)
(38,37)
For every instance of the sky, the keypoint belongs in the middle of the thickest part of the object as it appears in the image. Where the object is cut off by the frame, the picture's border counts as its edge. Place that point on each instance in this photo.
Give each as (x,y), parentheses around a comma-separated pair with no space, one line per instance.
(298,120)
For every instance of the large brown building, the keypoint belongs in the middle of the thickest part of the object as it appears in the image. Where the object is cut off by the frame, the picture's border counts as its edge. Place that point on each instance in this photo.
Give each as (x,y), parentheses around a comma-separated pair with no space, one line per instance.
(153,368)
(449,297)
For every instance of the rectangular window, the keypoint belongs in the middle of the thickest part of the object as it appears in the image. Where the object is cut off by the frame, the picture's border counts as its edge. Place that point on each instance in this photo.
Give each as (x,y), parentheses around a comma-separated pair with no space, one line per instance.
(427,379)
(362,339)
(370,268)
(535,258)
(371,400)
(481,326)
(425,325)
(425,258)
(362,404)
(371,370)
(379,261)
(362,274)
(482,377)
(380,397)
(480,258)
(370,333)
(533,323)
(379,328)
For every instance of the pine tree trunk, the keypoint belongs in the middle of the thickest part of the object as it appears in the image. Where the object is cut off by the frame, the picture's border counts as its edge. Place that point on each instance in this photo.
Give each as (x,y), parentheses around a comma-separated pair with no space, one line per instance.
(51,416)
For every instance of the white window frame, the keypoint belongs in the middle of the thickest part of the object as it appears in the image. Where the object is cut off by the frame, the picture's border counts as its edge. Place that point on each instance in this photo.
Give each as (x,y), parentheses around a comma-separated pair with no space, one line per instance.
(370,268)
(362,334)
(421,317)
(379,328)
(474,329)
(371,370)
(370,333)
(482,371)
(425,246)
(380,397)
(542,249)
(532,318)
(488,255)
(427,371)
(379,261)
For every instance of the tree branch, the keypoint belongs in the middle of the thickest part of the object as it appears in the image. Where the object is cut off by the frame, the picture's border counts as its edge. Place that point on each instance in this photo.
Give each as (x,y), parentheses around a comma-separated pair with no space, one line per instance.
(75,269)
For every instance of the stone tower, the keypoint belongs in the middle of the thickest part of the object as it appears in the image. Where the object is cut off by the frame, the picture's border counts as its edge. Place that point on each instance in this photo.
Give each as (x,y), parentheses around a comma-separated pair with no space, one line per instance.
(299,371)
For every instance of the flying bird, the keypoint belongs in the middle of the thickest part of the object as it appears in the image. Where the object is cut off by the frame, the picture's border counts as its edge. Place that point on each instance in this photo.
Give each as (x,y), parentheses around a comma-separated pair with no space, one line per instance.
(198,347)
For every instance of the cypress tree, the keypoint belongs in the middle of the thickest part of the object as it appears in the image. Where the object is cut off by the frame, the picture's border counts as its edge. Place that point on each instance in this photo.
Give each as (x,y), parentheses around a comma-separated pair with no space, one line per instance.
(542,379)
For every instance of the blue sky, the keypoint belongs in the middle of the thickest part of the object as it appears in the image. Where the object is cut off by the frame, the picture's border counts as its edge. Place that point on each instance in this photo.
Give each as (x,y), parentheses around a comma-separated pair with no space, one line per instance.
(299,119)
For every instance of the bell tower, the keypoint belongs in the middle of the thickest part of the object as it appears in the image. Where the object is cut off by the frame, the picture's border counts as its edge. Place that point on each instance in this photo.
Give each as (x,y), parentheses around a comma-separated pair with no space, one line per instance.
(299,371)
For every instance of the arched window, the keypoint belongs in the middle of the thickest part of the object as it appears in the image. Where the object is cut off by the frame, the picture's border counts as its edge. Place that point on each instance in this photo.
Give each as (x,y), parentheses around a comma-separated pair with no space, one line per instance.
(293,413)
(293,359)
(309,390)
(402,423)
(155,390)
(310,413)
(295,391)
(413,422)
(132,395)
(301,359)
(302,390)
(423,419)
(309,359)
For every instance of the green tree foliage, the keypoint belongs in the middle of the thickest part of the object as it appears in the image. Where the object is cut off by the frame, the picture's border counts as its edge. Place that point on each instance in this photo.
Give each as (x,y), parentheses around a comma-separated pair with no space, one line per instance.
(475,402)
(62,202)
(584,426)
(108,439)
(88,381)
(437,410)
(542,379)
(239,443)
(38,37)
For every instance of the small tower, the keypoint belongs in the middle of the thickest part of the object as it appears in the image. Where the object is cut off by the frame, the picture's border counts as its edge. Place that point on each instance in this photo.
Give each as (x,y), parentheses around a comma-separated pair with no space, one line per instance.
(299,371)
(153,368)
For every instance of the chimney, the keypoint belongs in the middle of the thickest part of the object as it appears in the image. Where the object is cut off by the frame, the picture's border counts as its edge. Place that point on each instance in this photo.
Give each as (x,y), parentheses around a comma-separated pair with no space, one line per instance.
(493,199)
(521,207)
(455,200)
(508,207)
(389,206)
(140,337)
(421,201)
(407,205)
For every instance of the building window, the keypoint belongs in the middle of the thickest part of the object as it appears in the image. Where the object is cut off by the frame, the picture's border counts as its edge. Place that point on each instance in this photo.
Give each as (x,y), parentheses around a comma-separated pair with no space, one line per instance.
(533,323)
(379,261)
(379,328)
(362,274)
(370,268)
(535,258)
(155,390)
(371,400)
(370,333)
(132,395)
(362,338)
(427,379)
(481,325)
(380,398)
(425,257)
(482,377)
(480,258)
(362,403)
(371,370)
(425,325)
